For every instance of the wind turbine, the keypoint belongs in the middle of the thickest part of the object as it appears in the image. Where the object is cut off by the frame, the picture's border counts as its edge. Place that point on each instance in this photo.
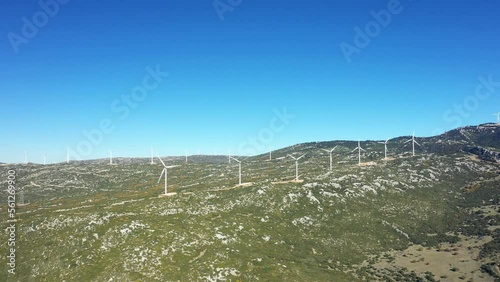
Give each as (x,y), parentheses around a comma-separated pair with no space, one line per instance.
(25,157)
(413,142)
(44,158)
(270,154)
(186,156)
(385,146)
(296,165)
(239,165)
(331,154)
(110,157)
(152,156)
(165,171)
(359,152)
(67,155)
(229,157)
(498,117)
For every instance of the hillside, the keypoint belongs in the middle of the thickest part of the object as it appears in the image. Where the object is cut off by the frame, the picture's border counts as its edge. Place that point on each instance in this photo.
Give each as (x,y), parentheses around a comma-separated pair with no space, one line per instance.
(433,216)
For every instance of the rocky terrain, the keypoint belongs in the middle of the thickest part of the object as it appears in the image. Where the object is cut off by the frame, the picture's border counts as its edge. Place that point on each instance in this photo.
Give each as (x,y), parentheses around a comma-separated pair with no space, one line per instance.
(433,216)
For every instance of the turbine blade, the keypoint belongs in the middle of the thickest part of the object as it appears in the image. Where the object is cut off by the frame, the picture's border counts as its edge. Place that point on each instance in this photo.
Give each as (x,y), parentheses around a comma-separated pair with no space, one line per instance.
(301,156)
(334,148)
(235,159)
(408,141)
(417,143)
(161,161)
(162,172)
(363,149)
(354,149)
(326,150)
(291,156)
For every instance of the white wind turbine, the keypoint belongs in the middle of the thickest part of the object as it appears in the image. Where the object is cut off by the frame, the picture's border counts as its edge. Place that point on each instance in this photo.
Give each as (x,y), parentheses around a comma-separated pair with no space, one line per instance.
(385,147)
(239,165)
(186,156)
(165,171)
(359,152)
(296,165)
(67,156)
(25,157)
(229,157)
(413,142)
(270,154)
(110,157)
(331,155)
(498,117)
(44,158)
(152,156)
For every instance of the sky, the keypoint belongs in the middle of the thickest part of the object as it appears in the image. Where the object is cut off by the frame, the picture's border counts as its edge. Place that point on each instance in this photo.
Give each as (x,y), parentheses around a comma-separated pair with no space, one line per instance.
(243,76)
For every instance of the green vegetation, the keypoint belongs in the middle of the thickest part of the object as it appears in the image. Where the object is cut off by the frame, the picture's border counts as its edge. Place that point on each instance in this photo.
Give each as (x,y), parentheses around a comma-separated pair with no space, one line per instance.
(106,223)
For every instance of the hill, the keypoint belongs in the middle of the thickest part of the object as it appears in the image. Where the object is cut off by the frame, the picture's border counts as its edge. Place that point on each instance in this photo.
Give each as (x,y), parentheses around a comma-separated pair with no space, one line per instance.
(433,216)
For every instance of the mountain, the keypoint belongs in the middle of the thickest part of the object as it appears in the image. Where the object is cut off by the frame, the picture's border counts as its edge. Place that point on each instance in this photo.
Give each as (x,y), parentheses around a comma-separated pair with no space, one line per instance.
(432,216)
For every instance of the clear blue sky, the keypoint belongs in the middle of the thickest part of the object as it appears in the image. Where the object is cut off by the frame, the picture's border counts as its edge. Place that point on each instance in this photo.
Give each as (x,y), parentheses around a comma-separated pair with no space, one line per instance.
(227,77)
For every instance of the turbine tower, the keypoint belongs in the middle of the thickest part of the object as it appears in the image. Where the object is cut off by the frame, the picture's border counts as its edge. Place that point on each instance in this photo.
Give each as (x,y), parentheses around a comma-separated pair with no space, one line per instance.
(67,156)
(385,147)
(498,117)
(165,171)
(186,156)
(44,158)
(296,165)
(25,157)
(229,157)
(413,142)
(239,165)
(110,157)
(270,154)
(152,156)
(359,151)
(331,155)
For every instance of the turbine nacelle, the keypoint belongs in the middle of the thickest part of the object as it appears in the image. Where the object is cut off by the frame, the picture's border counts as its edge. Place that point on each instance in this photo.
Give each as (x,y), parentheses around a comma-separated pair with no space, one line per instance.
(359,151)
(359,147)
(385,147)
(413,142)
(296,165)
(296,158)
(330,151)
(165,172)
(385,143)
